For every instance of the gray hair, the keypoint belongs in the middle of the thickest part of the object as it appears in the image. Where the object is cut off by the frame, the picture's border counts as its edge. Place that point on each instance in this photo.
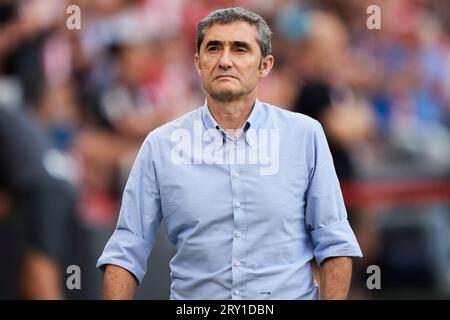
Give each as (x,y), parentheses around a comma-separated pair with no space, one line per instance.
(230,15)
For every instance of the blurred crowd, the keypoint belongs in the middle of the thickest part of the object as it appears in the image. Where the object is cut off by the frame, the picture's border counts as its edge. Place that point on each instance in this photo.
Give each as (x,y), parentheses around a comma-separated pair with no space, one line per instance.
(75,105)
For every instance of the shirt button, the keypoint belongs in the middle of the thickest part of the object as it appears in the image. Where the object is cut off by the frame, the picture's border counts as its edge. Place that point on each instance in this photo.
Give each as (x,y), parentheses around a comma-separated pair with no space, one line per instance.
(238,204)
(236,292)
(238,234)
(236,175)
(237,263)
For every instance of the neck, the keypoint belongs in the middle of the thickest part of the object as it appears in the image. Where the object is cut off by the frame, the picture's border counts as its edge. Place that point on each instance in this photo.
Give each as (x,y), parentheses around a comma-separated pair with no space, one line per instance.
(231,115)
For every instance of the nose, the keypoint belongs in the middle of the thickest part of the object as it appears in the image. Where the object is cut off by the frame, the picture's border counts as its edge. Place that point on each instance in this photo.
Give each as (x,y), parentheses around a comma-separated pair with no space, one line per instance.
(225,61)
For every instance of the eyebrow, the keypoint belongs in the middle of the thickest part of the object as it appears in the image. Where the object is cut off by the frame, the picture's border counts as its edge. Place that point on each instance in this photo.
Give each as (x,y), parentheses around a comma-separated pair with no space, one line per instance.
(243,44)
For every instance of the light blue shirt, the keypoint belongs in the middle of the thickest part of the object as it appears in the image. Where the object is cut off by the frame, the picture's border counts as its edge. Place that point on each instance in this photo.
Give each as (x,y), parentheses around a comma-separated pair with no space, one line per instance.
(246,214)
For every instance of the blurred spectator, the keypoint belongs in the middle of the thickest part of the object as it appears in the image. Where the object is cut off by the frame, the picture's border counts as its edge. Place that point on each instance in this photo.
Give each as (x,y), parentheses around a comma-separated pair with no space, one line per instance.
(37,213)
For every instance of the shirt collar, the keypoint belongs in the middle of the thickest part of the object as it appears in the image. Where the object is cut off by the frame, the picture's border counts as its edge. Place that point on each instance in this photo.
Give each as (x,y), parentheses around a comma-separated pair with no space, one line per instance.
(253,121)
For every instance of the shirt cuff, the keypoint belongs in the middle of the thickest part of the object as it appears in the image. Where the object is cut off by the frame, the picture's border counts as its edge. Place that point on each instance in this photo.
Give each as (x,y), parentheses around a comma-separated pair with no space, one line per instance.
(126,250)
(335,240)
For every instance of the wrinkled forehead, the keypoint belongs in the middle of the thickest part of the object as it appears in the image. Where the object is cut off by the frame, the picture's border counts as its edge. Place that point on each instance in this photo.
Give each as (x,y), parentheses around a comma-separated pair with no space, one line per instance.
(239,31)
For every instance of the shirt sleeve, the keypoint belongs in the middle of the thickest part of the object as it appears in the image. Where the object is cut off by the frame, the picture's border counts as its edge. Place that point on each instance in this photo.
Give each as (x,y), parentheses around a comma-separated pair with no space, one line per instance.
(140,217)
(325,214)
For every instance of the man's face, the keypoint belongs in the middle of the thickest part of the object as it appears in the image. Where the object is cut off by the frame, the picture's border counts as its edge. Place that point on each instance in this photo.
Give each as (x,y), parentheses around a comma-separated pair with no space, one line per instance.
(229,61)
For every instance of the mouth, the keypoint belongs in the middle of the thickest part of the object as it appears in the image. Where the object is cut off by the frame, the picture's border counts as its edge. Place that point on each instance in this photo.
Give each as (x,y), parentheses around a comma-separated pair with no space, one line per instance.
(225,76)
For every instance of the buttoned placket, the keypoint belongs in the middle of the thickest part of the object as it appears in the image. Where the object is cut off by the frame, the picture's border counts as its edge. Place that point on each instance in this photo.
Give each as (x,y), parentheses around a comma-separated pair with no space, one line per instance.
(237,177)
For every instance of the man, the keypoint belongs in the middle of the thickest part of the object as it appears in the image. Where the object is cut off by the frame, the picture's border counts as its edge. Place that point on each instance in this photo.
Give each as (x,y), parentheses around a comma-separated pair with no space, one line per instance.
(247,191)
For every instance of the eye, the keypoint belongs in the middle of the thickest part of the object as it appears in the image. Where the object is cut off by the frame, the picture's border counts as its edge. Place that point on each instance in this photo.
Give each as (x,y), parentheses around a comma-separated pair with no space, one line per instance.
(241,49)
(212,49)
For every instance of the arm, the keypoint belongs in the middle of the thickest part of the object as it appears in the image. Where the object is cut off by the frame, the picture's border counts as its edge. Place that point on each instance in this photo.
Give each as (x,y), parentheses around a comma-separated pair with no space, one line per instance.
(40,277)
(126,253)
(118,283)
(335,277)
(326,218)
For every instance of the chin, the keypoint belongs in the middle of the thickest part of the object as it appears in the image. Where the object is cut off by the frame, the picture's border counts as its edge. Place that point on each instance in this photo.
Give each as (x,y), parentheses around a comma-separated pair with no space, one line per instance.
(225,95)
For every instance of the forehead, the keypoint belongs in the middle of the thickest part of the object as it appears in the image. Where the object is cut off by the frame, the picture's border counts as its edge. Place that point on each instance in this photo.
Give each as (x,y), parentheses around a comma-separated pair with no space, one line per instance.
(235,31)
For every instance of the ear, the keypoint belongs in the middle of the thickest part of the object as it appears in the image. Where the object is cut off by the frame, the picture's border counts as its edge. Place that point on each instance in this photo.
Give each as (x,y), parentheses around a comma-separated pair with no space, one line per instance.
(197,64)
(266,66)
